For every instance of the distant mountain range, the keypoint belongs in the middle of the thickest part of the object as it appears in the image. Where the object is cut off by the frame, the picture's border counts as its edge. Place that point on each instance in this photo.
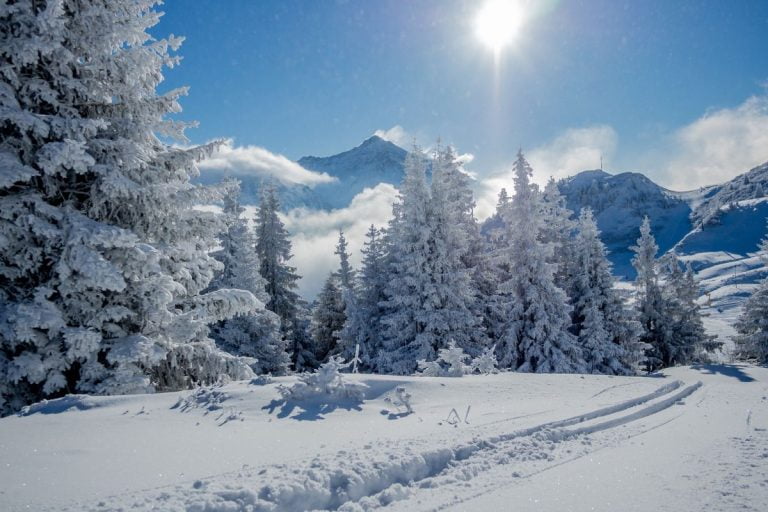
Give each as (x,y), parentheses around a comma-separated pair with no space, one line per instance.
(717,228)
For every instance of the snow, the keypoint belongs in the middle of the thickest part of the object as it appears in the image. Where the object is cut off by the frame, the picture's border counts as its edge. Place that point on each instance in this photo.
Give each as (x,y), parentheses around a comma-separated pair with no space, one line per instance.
(543,442)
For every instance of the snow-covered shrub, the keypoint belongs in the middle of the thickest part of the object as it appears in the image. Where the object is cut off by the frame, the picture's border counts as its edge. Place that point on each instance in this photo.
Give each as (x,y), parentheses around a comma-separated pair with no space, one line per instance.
(210,398)
(450,362)
(486,362)
(327,381)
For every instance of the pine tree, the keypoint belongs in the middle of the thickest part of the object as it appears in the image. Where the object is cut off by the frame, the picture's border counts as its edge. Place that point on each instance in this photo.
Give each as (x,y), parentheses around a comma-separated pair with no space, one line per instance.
(345,273)
(558,231)
(409,285)
(650,303)
(327,320)
(103,259)
(536,337)
(346,276)
(363,323)
(603,325)
(752,325)
(686,339)
(274,251)
(453,310)
(257,334)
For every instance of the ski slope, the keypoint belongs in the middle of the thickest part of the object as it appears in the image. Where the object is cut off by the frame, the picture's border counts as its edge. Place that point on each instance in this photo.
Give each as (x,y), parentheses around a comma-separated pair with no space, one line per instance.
(691,439)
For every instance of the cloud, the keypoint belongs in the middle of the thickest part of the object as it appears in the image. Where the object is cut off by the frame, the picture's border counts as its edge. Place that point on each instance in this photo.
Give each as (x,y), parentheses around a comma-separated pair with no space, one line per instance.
(257,161)
(718,146)
(314,233)
(574,150)
(396,135)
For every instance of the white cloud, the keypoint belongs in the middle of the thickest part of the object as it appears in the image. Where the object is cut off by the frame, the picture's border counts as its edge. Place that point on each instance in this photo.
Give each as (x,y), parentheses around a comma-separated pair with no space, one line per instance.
(314,233)
(717,146)
(573,151)
(257,161)
(396,135)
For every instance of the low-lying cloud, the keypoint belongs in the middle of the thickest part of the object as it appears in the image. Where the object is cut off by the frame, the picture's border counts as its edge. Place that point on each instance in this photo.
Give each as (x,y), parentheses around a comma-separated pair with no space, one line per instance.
(314,233)
(257,161)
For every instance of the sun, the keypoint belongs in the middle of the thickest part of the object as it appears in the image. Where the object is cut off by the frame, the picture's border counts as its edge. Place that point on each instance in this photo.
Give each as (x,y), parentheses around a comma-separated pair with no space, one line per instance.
(498,22)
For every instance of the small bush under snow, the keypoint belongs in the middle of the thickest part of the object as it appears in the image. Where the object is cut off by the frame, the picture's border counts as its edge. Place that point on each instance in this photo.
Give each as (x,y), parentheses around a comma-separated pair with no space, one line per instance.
(327,381)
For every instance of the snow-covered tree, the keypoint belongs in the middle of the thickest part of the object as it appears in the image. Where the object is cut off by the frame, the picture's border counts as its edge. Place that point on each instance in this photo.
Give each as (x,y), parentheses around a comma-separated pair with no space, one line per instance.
(327,319)
(103,259)
(604,326)
(256,334)
(451,362)
(558,231)
(345,273)
(687,340)
(363,320)
(752,326)
(486,363)
(536,336)
(409,284)
(453,310)
(274,251)
(649,299)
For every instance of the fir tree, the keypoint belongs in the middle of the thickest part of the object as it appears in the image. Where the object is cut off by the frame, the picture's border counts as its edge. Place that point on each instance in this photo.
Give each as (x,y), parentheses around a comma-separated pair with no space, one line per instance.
(409,286)
(536,337)
(274,251)
(686,339)
(327,320)
(650,303)
(103,259)
(257,334)
(453,309)
(604,326)
(752,326)
(363,323)
(557,230)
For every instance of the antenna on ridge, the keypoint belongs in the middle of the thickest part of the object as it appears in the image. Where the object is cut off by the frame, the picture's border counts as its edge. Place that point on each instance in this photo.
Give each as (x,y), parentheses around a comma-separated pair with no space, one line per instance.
(601,162)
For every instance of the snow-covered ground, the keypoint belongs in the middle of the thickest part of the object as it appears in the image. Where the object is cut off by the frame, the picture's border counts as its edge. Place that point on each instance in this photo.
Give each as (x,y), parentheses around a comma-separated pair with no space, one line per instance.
(693,439)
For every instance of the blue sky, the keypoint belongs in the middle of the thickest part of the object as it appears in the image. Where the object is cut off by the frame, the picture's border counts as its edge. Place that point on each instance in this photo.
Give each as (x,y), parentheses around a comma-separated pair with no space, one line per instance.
(316,77)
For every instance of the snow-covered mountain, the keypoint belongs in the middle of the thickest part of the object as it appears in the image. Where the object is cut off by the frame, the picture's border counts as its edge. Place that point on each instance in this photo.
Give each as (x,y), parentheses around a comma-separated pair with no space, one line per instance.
(619,203)
(716,229)
(374,161)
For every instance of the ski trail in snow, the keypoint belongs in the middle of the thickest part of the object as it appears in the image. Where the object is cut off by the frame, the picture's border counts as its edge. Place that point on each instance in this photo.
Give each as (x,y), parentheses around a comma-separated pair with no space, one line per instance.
(353,480)
(614,387)
(499,482)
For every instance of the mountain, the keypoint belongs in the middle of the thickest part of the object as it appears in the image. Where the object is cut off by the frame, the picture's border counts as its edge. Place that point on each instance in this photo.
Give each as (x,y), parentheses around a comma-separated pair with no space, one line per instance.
(374,161)
(619,203)
(716,229)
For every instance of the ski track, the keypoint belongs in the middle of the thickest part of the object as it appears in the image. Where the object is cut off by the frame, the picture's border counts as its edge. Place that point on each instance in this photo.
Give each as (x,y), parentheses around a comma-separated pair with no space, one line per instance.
(356,481)
(614,387)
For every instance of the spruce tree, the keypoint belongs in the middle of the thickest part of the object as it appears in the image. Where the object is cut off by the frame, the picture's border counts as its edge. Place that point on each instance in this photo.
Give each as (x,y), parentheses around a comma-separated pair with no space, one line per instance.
(453,310)
(649,300)
(536,336)
(602,323)
(274,251)
(558,230)
(103,259)
(327,320)
(686,339)
(363,323)
(409,287)
(752,326)
(256,334)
